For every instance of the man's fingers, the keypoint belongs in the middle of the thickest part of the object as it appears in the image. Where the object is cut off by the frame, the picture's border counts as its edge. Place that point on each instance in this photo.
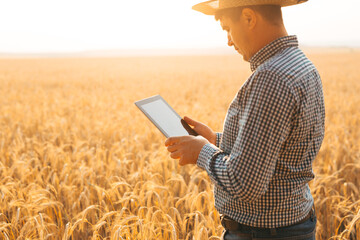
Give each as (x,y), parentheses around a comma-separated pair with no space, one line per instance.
(171,141)
(168,141)
(190,121)
(175,155)
(173,148)
(197,125)
(182,161)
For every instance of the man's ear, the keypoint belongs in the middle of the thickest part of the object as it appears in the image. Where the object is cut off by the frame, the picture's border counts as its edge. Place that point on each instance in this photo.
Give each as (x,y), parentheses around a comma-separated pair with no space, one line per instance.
(250,17)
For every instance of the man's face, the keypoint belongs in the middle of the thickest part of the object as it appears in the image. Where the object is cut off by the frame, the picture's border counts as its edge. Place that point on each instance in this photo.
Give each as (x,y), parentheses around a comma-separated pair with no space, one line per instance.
(237,35)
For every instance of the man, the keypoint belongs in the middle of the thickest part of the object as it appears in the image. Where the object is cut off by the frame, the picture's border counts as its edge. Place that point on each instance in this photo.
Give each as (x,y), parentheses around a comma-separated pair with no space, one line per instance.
(262,162)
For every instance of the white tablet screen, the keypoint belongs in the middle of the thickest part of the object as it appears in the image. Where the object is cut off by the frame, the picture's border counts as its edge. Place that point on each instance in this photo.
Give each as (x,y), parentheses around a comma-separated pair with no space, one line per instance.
(164,117)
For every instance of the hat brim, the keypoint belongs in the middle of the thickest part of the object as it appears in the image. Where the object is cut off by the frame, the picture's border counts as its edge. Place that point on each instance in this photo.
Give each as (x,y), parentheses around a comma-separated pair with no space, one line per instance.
(208,7)
(212,7)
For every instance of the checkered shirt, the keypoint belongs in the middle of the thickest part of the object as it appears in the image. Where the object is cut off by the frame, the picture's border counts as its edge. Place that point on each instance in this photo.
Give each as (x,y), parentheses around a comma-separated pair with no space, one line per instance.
(274,127)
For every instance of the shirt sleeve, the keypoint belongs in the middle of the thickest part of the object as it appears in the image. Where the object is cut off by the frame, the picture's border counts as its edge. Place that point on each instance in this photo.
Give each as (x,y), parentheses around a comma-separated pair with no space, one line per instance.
(246,171)
(218,139)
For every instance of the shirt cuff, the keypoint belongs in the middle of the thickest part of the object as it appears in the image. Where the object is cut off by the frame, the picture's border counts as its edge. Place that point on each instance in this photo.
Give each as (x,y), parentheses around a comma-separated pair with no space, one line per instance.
(206,154)
(218,139)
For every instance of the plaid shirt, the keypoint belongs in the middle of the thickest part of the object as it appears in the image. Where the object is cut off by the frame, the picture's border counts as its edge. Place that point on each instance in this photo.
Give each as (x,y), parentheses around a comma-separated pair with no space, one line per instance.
(273,131)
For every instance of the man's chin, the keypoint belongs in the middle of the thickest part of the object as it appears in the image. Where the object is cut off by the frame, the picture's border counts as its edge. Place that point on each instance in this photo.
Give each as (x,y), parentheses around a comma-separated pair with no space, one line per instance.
(244,57)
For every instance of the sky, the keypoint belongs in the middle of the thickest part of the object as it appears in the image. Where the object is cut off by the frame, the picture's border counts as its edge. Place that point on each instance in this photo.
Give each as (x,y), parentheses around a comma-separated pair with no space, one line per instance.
(40,26)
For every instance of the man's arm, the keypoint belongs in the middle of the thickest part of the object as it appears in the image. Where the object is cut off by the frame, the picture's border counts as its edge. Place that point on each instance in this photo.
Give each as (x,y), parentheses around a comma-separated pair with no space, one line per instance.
(246,172)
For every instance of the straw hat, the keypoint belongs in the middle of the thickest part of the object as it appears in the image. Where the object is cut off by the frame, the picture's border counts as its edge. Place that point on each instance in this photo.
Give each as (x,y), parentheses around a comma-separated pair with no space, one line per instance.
(212,6)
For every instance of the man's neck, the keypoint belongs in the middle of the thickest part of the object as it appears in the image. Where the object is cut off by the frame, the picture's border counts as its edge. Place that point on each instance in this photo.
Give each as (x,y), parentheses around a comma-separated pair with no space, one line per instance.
(266,36)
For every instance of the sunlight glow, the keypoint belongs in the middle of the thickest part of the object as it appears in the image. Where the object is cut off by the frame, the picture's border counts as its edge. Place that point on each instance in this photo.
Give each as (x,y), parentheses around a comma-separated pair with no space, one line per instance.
(58,26)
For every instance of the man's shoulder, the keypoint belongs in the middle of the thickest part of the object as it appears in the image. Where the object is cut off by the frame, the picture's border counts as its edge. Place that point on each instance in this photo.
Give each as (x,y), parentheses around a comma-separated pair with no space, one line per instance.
(291,60)
(291,69)
(289,64)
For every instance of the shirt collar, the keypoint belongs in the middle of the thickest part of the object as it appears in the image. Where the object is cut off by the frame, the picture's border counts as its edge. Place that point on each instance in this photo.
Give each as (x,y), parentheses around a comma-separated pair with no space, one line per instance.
(271,49)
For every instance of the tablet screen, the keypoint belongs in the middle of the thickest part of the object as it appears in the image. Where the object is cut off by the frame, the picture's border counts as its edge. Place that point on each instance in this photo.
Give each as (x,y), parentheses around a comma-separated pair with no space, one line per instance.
(162,115)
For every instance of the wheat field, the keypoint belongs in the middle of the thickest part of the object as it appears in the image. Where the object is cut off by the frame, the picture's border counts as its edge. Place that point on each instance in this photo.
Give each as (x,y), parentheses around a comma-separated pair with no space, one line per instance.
(78,160)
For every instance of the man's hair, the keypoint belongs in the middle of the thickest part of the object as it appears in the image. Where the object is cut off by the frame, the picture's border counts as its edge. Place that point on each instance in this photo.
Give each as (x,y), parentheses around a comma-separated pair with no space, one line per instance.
(271,13)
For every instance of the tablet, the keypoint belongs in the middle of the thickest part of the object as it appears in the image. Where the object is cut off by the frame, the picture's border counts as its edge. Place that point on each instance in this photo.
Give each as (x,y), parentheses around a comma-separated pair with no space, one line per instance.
(164,117)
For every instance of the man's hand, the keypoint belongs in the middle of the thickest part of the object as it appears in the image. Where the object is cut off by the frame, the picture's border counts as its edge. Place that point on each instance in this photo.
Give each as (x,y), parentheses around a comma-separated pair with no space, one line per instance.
(202,130)
(186,148)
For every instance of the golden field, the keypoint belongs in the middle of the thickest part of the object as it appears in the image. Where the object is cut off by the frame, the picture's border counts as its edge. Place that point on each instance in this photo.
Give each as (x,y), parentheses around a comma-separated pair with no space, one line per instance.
(78,160)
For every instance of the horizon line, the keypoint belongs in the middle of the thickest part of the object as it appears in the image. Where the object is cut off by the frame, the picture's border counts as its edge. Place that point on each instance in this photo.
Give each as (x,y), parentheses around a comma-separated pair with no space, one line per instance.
(151,52)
